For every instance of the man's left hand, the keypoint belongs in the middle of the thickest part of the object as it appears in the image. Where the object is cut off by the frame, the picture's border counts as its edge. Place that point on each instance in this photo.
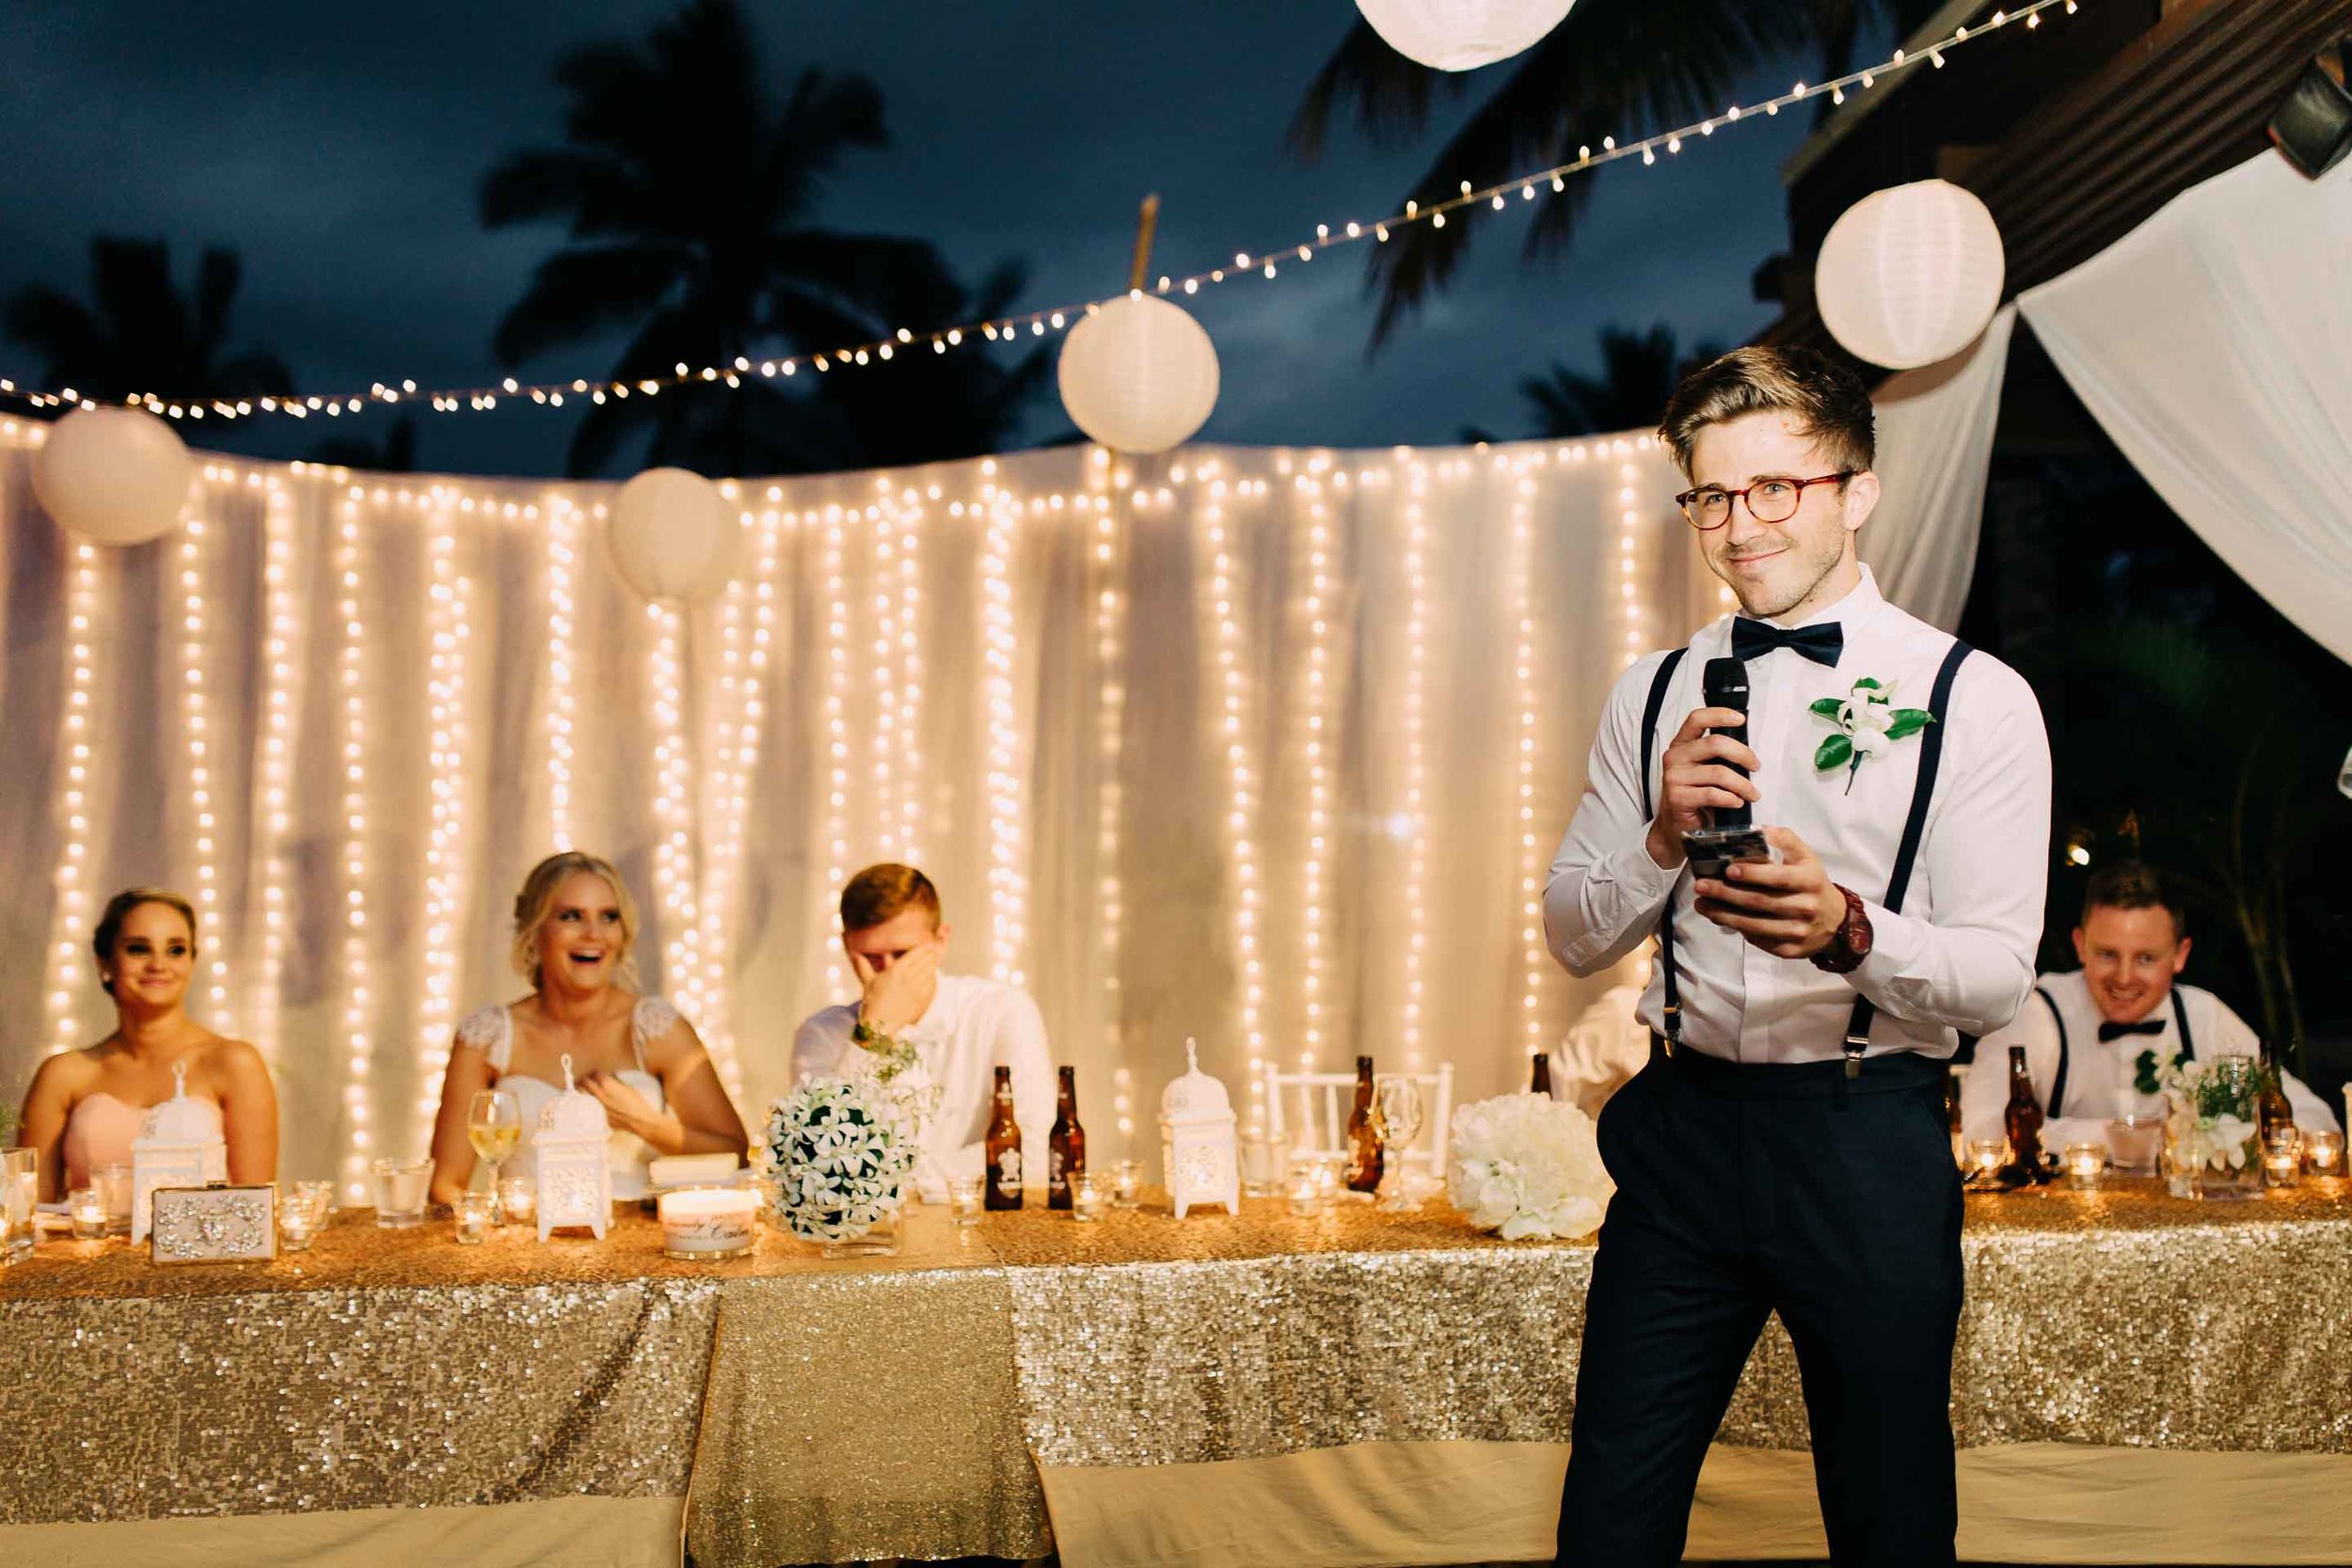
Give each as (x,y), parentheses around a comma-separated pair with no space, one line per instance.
(1790,909)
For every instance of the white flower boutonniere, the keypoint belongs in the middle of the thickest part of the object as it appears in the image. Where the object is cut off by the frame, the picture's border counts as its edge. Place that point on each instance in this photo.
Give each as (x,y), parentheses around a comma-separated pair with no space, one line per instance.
(1868,723)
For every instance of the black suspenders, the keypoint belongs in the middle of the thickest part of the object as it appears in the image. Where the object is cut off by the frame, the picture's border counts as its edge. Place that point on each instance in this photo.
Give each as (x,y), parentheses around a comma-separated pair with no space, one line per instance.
(2058,1084)
(1906,855)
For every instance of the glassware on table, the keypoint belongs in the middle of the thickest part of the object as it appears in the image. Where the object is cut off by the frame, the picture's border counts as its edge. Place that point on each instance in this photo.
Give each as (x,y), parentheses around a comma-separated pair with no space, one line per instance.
(1330,1176)
(87,1211)
(1986,1156)
(965,1196)
(302,1210)
(2323,1153)
(494,1125)
(1398,1101)
(1260,1164)
(2082,1162)
(1126,1183)
(19,1187)
(2283,1157)
(519,1200)
(401,1187)
(2134,1144)
(1086,1196)
(113,1184)
(476,1213)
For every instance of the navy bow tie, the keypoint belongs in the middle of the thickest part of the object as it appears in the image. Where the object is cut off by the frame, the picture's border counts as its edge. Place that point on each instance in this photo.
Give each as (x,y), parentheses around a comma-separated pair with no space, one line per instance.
(2117,1031)
(1821,642)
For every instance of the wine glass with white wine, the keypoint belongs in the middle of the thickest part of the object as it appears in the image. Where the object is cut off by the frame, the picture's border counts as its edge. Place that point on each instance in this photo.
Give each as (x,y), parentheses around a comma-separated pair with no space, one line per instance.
(494,1125)
(1398,1104)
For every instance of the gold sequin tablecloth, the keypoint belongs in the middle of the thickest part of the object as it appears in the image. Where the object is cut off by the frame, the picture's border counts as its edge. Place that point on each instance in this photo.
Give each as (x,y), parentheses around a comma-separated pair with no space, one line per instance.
(931,1404)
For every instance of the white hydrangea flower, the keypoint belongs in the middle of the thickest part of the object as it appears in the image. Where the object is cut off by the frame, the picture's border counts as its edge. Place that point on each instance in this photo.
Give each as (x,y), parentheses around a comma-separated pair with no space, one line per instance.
(1528,1166)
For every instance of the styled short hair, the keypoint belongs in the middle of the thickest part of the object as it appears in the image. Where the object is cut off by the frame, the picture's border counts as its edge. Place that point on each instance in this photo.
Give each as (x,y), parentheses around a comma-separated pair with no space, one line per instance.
(118,907)
(885,892)
(1829,399)
(2133,885)
(536,901)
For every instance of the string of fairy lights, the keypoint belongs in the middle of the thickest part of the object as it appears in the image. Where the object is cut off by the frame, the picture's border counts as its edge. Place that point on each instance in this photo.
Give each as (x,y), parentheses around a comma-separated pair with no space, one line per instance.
(1267,264)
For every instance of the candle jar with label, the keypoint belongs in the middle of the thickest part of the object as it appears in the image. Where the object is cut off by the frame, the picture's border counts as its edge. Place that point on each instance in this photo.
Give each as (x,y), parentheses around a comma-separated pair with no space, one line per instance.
(700,1223)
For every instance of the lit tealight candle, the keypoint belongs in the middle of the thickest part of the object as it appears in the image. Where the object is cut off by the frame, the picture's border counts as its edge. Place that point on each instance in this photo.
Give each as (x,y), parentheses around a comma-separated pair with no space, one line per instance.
(518,1198)
(1085,1198)
(2324,1150)
(1127,1184)
(2084,1161)
(1305,1195)
(88,1209)
(2282,1167)
(706,1222)
(1986,1156)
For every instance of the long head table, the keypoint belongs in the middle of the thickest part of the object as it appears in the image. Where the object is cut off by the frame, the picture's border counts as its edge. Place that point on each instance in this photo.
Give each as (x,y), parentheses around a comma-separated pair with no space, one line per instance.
(821,1411)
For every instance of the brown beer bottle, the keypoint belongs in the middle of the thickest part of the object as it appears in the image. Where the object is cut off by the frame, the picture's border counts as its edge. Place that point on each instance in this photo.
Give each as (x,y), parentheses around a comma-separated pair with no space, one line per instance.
(2022,1120)
(1542,1082)
(1003,1147)
(2271,1105)
(1066,1148)
(1363,1134)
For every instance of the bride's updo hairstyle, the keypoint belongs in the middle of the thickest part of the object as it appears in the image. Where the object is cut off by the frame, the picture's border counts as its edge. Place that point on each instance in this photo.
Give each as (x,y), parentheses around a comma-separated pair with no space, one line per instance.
(535,904)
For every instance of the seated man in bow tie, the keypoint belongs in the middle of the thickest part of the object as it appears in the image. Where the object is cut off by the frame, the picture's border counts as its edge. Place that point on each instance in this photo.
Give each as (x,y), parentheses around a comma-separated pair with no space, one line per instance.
(2097,1040)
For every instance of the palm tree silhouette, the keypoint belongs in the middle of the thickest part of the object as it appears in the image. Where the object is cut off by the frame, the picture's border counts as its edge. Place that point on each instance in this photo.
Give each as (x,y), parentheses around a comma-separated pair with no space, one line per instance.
(1639,371)
(690,198)
(140,334)
(1614,67)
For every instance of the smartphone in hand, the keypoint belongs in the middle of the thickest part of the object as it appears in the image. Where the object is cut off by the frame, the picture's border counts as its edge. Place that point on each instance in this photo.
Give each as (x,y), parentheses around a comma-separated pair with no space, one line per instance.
(1710,850)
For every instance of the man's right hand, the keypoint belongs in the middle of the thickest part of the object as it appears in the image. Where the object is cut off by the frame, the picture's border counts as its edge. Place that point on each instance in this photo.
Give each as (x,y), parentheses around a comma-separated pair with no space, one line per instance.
(1696,781)
(894,998)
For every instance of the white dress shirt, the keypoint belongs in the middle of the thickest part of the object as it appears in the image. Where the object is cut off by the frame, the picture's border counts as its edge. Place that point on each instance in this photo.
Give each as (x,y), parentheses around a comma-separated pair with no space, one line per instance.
(972,1027)
(2100,1075)
(1959,956)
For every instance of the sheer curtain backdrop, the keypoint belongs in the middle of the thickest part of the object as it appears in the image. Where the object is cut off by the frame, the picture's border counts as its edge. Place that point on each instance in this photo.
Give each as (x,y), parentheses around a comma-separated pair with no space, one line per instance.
(1264,747)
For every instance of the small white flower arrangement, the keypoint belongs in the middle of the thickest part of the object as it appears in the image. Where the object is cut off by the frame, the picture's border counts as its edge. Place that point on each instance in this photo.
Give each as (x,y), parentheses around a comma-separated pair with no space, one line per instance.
(894,1064)
(843,1151)
(2215,1122)
(1868,725)
(1528,1166)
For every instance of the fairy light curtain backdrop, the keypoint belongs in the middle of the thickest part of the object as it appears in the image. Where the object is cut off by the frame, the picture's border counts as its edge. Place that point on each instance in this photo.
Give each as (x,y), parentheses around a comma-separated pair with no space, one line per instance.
(1266,747)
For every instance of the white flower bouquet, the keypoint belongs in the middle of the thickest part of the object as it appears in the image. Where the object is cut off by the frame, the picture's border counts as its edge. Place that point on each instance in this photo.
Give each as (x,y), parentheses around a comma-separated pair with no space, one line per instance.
(2213,1128)
(843,1150)
(1527,1164)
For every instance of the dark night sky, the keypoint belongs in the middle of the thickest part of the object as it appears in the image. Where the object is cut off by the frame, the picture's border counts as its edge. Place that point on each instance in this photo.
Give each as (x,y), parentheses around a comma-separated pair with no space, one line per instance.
(338,148)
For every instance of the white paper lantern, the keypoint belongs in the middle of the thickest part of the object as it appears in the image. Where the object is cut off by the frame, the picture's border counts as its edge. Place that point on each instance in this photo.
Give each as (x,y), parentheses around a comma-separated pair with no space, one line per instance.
(1462,35)
(1910,276)
(1198,1150)
(674,536)
(575,1178)
(1139,375)
(112,476)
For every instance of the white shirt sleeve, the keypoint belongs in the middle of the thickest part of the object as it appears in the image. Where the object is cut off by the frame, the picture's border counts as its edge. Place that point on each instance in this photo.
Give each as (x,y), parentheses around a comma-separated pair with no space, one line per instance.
(1605,892)
(1985,858)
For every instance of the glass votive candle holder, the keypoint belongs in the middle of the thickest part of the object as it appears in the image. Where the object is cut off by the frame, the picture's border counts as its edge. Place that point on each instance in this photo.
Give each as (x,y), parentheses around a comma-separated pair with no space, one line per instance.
(2282,1158)
(87,1211)
(302,1210)
(2084,1161)
(2323,1153)
(1126,1183)
(401,1187)
(113,1186)
(519,1200)
(2134,1144)
(1328,1168)
(1085,1197)
(965,1196)
(1986,1156)
(1306,1195)
(474,1211)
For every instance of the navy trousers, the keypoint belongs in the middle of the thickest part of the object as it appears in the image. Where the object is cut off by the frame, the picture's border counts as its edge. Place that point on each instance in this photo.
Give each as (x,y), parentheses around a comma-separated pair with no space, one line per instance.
(1744,1191)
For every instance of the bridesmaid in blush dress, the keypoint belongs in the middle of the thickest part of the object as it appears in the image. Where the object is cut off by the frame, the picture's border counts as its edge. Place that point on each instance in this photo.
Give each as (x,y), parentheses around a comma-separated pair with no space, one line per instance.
(84,1107)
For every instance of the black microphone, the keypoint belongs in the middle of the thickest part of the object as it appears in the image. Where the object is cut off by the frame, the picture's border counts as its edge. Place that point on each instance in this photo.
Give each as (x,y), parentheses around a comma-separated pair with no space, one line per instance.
(1726,686)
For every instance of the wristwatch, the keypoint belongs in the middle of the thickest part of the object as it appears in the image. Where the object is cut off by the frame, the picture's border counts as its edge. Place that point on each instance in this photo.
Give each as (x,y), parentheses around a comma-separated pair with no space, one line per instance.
(1852,943)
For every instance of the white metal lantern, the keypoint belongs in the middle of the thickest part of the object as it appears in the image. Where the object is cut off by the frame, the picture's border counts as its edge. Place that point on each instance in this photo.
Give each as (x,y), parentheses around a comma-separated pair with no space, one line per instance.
(674,536)
(179,1145)
(112,476)
(1197,1145)
(1138,375)
(1910,276)
(574,1177)
(1462,35)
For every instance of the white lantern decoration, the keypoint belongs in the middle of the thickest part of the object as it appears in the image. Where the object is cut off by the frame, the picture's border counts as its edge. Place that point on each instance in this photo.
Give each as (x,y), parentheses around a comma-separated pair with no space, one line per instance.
(1197,1145)
(1139,375)
(113,476)
(179,1145)
(1910,276)
(574,1177)
(1462,35)
(674,536)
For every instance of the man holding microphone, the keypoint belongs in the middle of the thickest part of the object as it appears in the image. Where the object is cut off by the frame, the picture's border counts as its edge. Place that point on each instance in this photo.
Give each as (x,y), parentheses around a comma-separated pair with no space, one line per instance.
(1786,1149)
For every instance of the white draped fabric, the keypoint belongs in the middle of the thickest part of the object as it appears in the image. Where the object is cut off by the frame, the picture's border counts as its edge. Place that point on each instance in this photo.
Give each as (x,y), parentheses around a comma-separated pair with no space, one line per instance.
(1268,747)
(2214,343)
(1935,449)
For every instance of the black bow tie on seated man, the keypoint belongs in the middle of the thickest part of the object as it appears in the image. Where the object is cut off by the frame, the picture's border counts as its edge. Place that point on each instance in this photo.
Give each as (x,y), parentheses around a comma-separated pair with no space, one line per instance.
(2117,1031)
(1822,642)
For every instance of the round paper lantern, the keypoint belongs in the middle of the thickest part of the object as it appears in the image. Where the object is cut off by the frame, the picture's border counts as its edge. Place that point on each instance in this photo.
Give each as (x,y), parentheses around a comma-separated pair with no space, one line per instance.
(1911,275)
(673,535)
(1462,35)
(112,476)
(1139,375)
